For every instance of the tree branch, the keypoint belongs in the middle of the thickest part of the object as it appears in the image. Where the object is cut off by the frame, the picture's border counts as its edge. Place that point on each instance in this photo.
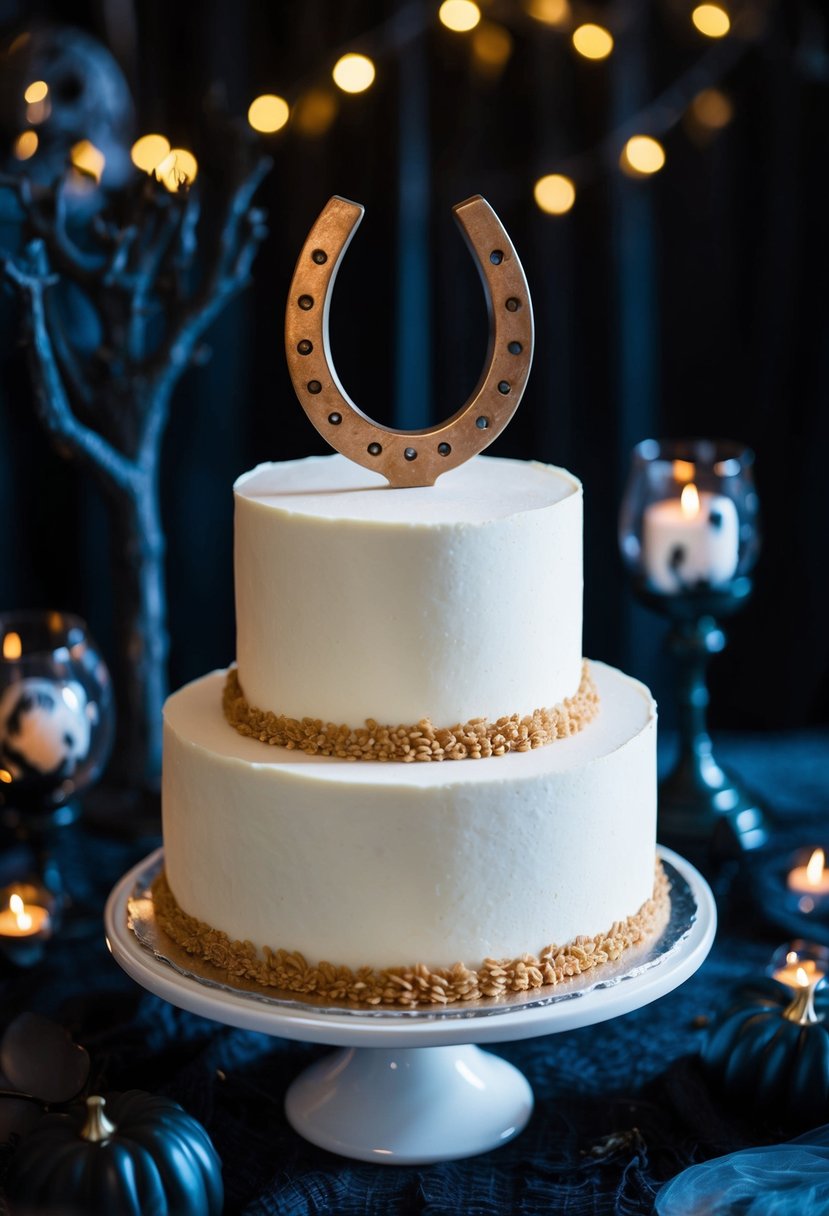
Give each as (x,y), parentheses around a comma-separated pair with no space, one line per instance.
(52,401)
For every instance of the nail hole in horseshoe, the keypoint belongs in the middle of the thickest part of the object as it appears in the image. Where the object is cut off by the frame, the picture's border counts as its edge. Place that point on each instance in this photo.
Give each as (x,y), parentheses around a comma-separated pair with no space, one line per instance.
(496,257)
(307,302)
(512,304)
(482,423)
(444,449)
(315,387)
(503,386)
(319,256)
(410,454)
(335,419)
(515,348)
(374,449)
(305,346)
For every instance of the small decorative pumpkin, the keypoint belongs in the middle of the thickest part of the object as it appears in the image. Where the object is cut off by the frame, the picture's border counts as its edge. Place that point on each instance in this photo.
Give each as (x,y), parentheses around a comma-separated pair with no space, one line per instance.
(771,1052)
(143,1156)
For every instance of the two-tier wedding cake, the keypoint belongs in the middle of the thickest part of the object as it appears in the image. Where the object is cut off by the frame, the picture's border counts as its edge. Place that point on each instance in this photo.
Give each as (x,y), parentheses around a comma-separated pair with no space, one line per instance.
(412,788)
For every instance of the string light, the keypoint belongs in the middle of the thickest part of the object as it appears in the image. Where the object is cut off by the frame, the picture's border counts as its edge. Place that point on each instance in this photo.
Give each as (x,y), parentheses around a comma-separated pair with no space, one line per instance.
(555,193)
(548,12)
(38,111)
(314,112)
(711,20)
(87,159)
(268,113)
(491,46)
(179,168)
(25,145)
(36,91)
(641,156)
(461,16)
(149,151)
(593,41)
(353,73)
(712,108)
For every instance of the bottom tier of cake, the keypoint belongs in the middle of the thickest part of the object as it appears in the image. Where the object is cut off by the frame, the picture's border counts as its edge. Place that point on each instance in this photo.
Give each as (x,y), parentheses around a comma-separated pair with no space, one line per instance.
(388,882)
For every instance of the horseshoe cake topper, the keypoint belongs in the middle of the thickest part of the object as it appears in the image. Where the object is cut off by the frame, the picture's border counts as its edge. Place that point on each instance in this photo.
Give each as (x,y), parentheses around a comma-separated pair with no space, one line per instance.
(409,458)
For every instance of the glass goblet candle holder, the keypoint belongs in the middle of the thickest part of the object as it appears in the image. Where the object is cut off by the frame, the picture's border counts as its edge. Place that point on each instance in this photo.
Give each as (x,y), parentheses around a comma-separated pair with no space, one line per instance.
(689,537)
(56,725)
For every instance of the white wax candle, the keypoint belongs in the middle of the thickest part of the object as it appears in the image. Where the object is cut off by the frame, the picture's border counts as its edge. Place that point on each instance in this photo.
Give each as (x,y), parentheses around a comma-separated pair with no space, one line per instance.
(690,540)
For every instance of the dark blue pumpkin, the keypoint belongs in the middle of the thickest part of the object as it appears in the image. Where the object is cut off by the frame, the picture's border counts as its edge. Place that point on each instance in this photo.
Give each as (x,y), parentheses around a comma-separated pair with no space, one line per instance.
(144,1156)
(769,1059)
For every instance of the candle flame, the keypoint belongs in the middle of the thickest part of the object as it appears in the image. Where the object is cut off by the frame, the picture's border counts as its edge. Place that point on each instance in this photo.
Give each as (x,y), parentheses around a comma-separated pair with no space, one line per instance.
(792,957)
(802,978)
(689,500)
(12,646)
(814,867)
(24,920)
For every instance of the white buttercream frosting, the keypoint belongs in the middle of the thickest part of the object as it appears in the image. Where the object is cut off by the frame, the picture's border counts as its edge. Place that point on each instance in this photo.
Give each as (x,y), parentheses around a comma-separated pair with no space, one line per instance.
(451,602)
(385,864)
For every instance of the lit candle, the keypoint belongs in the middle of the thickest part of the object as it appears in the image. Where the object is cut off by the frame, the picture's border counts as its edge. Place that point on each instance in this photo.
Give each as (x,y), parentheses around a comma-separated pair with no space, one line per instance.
(799,972)
(691,539)
(810,881)
(23,920)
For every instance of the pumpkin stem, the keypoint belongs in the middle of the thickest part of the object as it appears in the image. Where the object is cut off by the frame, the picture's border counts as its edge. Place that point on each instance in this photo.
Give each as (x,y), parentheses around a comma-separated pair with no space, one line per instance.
(97,1129)
(802,1008)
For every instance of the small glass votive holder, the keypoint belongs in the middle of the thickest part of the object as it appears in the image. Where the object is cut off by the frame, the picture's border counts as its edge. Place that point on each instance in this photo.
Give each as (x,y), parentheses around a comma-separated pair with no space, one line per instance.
(689,537)
(688,525)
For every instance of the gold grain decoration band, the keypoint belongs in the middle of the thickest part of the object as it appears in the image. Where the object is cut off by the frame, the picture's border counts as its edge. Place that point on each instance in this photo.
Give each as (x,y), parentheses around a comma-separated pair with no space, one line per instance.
(473,740)
(408,987)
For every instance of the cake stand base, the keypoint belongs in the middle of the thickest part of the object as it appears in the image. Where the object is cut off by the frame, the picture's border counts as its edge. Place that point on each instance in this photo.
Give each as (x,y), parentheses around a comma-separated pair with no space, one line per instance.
(411,1088)
(409,1106)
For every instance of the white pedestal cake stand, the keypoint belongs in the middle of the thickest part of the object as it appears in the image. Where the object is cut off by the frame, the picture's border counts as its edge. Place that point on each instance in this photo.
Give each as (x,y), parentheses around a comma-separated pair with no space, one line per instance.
(409,1086)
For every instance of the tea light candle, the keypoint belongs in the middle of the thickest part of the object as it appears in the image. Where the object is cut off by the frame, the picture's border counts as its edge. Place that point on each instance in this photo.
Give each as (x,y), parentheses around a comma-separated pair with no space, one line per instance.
(20,919)
(811,881)
(692,539)
(799,972)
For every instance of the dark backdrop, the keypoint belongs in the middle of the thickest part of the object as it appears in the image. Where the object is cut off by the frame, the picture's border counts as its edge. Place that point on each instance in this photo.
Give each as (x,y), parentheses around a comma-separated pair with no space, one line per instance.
(692,303)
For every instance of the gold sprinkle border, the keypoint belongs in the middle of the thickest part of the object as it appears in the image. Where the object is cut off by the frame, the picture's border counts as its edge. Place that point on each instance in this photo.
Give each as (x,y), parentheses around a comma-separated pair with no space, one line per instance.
(475,740)
(407,987)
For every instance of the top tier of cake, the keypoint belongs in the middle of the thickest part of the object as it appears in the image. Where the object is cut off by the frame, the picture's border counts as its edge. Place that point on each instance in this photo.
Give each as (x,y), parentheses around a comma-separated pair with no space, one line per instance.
(355,601)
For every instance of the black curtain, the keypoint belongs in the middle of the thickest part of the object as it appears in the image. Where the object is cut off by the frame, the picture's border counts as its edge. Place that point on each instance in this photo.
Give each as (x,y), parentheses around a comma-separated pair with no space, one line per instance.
(692,303)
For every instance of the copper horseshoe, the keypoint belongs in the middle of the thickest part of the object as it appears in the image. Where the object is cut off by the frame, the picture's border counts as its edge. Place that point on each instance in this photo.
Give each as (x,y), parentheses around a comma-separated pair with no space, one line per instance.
(409,458)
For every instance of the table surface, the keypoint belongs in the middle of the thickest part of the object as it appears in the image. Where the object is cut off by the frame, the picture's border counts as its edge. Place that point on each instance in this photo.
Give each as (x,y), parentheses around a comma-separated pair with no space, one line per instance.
(620,1107)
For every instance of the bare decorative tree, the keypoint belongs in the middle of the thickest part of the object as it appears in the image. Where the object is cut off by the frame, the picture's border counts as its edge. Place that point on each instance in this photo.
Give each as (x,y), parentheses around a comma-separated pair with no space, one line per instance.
(157,276)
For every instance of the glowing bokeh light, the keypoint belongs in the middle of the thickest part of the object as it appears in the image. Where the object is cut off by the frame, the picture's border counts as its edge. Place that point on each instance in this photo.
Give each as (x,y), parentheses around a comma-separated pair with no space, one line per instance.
(548,12)
(555,193)
(314,112)
(25,145)
(268,113)
(38,111)
(459,15)
(642,155)
(593,41)
(36,91)
(149,151)
(711,20)
(712,108)
(12,646)
(87,159)
(179,168)
(491,45)
(353,73)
